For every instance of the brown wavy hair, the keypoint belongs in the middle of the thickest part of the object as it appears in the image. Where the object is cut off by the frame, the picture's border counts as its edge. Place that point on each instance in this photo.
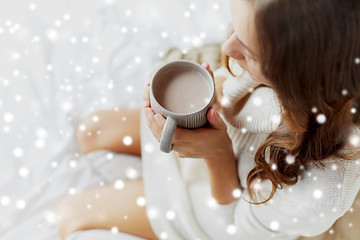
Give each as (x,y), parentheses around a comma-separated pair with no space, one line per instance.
(310,52)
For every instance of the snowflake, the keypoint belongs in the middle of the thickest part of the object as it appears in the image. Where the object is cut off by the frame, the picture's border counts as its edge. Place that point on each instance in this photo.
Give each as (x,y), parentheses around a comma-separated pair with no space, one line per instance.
(49,216)
(163,235)
(52,35)
(20,204)
(119,184)
(170,215)
(236,193)
(18,152)
(355,140)
(321,118)
(231,229)
(110,156)
(114,230)
(8,117)
(274,225)
(257,101)
(273,166)
(32,6)
(72,164)
(290,159)
(72,191)
(152,212)
(24,172)
(127,140)
(5,200)
(132,173)
(317,194)
(141,201)
(215,6)
(95,60)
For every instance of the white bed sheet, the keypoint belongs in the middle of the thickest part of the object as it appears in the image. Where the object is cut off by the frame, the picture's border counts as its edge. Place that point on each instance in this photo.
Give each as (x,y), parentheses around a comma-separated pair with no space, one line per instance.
(61,60)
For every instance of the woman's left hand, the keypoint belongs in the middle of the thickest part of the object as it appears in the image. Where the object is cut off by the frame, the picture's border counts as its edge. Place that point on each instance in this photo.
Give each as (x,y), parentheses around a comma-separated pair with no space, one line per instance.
(210,142)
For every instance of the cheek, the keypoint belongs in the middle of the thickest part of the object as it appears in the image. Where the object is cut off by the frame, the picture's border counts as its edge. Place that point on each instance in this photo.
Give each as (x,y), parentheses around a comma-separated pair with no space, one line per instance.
(259,76)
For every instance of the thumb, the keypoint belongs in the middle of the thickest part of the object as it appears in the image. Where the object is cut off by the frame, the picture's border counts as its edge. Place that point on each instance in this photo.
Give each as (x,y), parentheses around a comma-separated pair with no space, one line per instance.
(215,120)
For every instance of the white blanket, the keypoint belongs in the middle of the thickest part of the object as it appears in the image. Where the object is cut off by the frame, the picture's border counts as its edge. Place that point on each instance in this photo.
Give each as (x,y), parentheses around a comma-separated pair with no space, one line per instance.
(61,60)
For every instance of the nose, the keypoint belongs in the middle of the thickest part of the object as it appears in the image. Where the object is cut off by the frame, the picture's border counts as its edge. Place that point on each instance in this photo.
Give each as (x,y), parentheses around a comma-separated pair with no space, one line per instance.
(232,48)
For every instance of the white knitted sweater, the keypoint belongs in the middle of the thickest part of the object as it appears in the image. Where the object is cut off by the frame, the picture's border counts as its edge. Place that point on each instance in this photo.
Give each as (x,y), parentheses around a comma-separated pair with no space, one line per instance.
(178,193)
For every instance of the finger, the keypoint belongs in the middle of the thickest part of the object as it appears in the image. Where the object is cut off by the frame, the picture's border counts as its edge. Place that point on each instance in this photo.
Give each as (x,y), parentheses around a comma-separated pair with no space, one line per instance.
(153,126)
(160,120)
(215,119)
(207,67)
(146,97)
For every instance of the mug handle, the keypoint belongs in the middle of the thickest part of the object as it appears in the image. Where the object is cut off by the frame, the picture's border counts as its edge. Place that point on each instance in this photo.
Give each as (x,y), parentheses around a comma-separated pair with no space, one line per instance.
(167,135)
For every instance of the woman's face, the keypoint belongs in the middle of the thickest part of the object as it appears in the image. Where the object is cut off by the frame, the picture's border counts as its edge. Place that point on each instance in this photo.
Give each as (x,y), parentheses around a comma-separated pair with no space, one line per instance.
(242,45)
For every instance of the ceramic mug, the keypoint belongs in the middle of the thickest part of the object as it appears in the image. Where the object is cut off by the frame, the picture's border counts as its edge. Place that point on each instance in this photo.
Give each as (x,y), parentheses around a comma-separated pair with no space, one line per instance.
(182,91)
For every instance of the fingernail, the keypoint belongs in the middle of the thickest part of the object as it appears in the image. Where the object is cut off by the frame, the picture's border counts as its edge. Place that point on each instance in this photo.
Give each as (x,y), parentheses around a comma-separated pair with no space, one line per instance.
(144,103)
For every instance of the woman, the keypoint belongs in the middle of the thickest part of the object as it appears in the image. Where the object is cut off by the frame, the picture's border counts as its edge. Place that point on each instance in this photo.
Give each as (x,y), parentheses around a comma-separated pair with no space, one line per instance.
(287,135)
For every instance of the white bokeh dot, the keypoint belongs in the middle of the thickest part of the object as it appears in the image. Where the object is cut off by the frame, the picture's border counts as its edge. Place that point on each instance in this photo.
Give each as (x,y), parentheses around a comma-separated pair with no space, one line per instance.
(274,225)
(357,60)
(236,193)
(149,147)
(5,200)
(257,101)
(141,201)
(40,143)
(32,6)
(231,229)
(20,204)
(24,172)
(290,159)
(127,140)
(114,230)
(129,88)
(95,118)
(334,167)
(355,140)
(72,164)
(82,127)
(119,184)
(132,173)
(72,191)
(317,194)
(18,152)
(164,34)
(321,118)
(163,235)
(187,14)
(152,212)
(95,60)
(110,156)
(8,117)
(170,215)
(52,34)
